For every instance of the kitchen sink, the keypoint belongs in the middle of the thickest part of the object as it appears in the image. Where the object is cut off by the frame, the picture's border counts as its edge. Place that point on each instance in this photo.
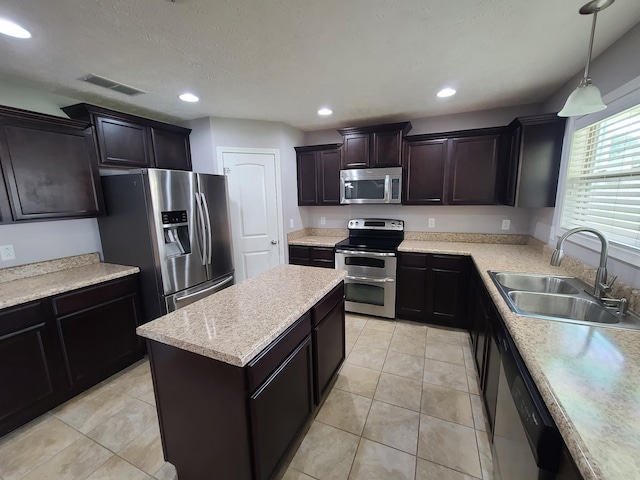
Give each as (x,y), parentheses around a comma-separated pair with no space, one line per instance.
(536,283)
(560,298)
(562,306)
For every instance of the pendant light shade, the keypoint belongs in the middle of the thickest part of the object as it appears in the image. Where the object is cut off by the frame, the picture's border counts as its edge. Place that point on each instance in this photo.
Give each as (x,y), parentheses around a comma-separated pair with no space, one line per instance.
(586,98)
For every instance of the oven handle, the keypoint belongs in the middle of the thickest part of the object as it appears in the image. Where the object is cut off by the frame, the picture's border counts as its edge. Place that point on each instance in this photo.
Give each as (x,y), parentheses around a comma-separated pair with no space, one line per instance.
(368,254)
(373,280)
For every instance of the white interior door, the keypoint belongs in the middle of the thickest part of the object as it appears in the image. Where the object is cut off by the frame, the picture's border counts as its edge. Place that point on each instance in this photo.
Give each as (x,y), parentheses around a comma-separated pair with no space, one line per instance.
(254,206)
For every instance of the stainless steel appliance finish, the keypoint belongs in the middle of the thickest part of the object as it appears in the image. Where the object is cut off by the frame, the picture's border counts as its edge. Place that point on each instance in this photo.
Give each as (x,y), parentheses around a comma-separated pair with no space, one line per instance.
(174,225)
(526,442)
(369,258)
(374,185)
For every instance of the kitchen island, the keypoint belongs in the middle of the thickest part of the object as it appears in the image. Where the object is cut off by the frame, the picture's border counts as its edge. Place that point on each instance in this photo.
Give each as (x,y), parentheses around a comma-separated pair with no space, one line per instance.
(238,375)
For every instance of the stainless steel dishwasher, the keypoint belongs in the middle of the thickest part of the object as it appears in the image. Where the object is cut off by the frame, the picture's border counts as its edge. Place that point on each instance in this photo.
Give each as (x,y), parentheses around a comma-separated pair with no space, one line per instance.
(526,441)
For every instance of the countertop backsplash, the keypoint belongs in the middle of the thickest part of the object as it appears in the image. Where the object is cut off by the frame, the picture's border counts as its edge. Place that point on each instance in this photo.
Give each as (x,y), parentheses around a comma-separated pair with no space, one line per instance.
(9,274)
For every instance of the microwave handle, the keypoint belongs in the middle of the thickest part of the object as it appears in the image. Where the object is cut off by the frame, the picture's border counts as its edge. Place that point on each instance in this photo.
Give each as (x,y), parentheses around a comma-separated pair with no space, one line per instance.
(342,195)
(387,188)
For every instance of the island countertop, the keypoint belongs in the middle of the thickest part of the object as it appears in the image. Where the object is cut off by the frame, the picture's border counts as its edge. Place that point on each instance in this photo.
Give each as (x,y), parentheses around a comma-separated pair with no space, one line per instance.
(588,376)
(237,323)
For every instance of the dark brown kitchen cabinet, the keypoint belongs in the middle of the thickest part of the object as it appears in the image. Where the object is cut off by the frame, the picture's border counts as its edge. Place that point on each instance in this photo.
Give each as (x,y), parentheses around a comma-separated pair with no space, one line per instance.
(432,288)
(473,170)
(447,285)
(374,146)
(492,364)
(128,141)
(318,169)
(97,328)
(31,375)
(423,172)
(533,163)
(5,208)
(49,167)
(279,409)
(312,256)
(411,298)
(225,421)
(328,340)
(56,347)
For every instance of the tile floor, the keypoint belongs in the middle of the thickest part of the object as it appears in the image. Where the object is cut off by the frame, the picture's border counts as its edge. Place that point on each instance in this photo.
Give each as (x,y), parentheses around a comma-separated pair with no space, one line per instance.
(405,406)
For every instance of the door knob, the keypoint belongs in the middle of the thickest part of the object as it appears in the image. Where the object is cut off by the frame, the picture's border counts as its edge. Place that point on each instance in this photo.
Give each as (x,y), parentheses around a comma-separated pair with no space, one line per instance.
(274,242)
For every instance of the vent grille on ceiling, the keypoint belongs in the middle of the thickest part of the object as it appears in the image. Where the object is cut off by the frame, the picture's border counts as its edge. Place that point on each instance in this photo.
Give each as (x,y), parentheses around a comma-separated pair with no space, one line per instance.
(111,85)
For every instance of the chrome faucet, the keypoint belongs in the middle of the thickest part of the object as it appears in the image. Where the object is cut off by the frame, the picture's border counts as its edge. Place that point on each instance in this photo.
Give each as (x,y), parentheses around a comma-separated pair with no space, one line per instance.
(601,286)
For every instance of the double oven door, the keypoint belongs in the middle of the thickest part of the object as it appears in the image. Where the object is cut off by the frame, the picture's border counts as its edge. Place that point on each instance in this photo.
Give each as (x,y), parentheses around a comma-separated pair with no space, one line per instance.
(370,285)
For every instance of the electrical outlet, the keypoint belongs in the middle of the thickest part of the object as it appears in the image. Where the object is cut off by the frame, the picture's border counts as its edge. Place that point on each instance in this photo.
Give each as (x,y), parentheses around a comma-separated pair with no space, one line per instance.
(291,223)
(506,224)
(323,220)
(432,223)
(7,253)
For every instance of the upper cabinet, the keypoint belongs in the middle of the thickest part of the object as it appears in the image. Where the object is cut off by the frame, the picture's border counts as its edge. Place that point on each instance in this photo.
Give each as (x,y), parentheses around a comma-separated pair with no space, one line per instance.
(318,174)
(49,167)
(456,168)
(128,141)
(534,161)
(374,146)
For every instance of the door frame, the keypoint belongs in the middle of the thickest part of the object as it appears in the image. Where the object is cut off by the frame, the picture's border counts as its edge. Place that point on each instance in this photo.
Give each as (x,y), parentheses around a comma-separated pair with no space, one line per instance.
(220,151)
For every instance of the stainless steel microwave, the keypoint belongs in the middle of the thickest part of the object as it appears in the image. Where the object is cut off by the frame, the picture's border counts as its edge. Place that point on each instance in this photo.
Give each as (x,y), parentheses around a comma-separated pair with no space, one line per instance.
(372,185)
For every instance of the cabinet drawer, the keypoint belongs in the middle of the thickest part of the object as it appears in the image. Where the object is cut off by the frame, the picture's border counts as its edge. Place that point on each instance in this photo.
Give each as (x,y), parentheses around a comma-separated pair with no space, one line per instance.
(273,355)
(22,317)
(322,253)
(324,306)
(417,260)
(92,296)
(450,262)
(298,251)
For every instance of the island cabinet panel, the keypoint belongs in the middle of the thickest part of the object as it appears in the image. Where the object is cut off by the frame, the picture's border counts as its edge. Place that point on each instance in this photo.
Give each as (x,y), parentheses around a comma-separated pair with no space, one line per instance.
(473,170)
(49,167)
(280,408)
(31,377)
(424,172)
(97,330)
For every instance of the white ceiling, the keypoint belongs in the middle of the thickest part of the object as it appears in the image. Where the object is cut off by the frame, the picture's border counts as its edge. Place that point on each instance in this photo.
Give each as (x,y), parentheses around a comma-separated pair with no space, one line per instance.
(281,60)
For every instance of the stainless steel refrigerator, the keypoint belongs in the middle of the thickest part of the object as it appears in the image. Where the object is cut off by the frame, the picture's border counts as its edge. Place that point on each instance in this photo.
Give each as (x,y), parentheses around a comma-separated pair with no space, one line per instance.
(174,225)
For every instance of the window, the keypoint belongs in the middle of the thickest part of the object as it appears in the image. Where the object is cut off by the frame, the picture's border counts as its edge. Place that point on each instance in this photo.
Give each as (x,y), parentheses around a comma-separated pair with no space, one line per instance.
(603,178)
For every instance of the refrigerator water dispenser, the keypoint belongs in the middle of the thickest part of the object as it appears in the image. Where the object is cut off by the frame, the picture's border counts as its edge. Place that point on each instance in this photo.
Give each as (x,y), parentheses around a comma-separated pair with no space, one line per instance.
(176,233)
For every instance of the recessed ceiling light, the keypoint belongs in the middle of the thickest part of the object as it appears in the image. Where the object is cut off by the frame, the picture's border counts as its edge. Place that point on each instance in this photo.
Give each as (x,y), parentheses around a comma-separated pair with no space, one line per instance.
(446,92)
(188,97)
(13,29)
(325,111)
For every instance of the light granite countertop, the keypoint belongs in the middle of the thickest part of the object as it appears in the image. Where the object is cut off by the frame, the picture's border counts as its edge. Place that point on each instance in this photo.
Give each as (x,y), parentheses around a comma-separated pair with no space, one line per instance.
(589,377)
(237,323)
(316,241)
(23,290)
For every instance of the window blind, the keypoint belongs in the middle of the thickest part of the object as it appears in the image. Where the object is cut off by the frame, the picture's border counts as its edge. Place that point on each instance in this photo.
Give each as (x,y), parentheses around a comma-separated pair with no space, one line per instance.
(603,179)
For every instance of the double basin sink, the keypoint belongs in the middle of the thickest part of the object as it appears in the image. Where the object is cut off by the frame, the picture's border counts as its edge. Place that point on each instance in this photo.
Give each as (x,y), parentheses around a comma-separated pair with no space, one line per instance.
(554,297)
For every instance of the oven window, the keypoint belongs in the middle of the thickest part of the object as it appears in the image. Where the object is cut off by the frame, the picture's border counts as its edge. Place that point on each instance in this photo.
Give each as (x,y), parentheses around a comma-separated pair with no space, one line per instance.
(364,189)
(363,293)
(364,262)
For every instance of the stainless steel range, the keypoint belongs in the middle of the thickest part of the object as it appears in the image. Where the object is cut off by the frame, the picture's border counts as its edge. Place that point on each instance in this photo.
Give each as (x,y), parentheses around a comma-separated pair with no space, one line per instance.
(369,257)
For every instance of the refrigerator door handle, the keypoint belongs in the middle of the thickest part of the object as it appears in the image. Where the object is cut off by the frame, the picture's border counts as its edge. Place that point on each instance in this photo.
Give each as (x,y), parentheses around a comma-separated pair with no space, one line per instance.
(201,233)
(205,291)
(209,238)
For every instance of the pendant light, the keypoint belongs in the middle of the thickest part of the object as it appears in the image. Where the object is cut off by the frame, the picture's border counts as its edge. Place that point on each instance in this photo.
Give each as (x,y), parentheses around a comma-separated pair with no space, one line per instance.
(586,98)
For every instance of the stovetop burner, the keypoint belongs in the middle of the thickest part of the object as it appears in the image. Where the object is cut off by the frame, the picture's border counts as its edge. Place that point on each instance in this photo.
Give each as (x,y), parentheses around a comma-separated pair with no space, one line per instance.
(373,235)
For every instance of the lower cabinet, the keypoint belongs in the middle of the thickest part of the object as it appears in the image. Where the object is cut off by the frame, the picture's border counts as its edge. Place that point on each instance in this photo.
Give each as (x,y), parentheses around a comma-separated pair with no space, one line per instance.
(31,376)
(53,349)
(432,288)
(312,256)
(280,408)
(222,421)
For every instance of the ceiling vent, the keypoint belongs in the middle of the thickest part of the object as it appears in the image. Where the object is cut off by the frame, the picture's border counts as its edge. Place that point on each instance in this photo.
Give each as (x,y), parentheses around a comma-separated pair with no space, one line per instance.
(111,85)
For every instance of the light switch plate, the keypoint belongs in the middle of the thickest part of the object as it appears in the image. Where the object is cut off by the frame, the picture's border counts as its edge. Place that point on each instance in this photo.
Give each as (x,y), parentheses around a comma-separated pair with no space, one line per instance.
(7,253)
(506,224)
(291,223)
(432,223)
(323,220)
